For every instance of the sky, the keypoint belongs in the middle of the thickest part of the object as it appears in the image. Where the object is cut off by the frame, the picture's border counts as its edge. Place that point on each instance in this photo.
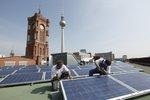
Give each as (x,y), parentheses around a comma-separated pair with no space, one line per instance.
(120,26)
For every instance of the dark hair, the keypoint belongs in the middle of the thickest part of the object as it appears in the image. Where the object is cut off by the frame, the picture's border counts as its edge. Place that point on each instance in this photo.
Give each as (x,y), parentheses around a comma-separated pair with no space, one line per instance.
(96,57)
(108,62)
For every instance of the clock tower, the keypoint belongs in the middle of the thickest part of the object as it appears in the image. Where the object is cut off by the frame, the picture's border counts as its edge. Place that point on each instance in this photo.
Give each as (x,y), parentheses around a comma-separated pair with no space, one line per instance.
(37,38)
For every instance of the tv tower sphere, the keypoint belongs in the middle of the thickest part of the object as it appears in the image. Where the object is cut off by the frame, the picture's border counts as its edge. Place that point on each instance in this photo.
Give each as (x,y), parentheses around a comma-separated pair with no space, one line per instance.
(62,22)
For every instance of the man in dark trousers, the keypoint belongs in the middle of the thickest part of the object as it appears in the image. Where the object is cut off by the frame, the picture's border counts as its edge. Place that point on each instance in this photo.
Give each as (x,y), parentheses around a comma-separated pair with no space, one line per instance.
(102,66)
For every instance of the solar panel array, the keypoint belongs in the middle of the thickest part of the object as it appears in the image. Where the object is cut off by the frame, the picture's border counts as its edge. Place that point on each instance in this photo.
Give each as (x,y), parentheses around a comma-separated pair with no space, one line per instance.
(123,82)
(23,75)
(139,81)
(113,87)
(10,73)
(22,78)
(116,68)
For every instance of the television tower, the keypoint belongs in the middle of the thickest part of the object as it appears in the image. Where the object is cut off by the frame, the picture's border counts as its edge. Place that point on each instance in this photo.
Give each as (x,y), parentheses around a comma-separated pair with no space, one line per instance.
(62,23)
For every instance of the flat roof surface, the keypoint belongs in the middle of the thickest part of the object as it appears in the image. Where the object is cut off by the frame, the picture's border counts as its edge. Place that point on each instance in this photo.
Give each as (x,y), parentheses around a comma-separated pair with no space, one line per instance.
(43,91)
(27,92)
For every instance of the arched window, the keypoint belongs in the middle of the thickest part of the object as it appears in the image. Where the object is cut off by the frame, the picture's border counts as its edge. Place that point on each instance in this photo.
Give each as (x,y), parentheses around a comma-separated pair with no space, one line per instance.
(40,51)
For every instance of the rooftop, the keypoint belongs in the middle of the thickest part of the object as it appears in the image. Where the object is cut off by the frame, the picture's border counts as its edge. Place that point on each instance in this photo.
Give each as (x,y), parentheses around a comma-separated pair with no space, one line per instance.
(42,91)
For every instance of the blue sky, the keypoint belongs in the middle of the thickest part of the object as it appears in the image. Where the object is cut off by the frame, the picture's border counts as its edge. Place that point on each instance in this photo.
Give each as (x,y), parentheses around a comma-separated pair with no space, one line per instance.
(120,26)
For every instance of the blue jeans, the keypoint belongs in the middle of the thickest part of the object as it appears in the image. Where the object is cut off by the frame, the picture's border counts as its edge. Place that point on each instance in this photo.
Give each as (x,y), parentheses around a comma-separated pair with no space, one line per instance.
(94,71)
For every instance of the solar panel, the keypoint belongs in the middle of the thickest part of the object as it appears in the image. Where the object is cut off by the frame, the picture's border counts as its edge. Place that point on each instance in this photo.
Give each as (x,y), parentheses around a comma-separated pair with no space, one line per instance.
(6,72)
(45,69)
(91,66)
(7,67)
(139,81)
(26,70)
(115,69)
(31,66)
(73,66)
(21,78)
(83,72)
(125,66)
(93,89)
(121,86)
(48,76)
(73,73)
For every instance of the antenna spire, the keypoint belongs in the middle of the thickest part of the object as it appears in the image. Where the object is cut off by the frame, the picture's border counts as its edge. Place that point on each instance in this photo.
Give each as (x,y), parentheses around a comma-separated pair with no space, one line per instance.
(39,9)
(62,7)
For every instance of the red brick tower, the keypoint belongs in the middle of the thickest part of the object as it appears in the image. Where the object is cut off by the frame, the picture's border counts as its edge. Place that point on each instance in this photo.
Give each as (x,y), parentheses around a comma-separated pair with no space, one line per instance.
(37,38)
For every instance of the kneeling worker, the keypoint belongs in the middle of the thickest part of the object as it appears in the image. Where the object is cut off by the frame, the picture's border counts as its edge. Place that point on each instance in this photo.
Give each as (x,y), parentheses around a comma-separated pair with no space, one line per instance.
(102,66)
(59,71)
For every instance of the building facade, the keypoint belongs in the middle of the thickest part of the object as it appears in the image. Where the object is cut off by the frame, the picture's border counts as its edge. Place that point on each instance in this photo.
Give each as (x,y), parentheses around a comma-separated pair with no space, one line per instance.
(16,61)
(37,47)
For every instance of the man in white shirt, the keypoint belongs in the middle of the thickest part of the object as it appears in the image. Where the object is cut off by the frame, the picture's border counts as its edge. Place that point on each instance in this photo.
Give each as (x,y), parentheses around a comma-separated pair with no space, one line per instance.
(102,66)
(59,71)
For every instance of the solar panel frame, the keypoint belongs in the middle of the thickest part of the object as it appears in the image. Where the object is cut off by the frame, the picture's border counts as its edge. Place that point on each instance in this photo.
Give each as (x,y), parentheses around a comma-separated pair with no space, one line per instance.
(4,73)
(136,80)
(114,69)
(73,73)
(48,76)
(24,70)
(125,66)
(111,89)
(73,67)
(27,80)
(91,66)
(45,70)
(136,92)
(132,95)
(84,71)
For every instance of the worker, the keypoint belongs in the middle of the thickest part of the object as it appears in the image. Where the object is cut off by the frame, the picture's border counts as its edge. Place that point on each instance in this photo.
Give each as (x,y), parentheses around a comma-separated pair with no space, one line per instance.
(102,66)
(59,71)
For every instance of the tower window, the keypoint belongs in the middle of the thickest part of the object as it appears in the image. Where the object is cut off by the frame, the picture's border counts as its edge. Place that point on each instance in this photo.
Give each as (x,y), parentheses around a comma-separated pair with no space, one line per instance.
(47,33)
(34,50)
(46,38)
(37,22)
(40,51)
(36,35)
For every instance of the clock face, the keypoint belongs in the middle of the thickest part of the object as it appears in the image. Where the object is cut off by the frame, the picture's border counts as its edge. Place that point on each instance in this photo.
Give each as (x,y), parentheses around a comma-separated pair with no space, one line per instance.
(42,27)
